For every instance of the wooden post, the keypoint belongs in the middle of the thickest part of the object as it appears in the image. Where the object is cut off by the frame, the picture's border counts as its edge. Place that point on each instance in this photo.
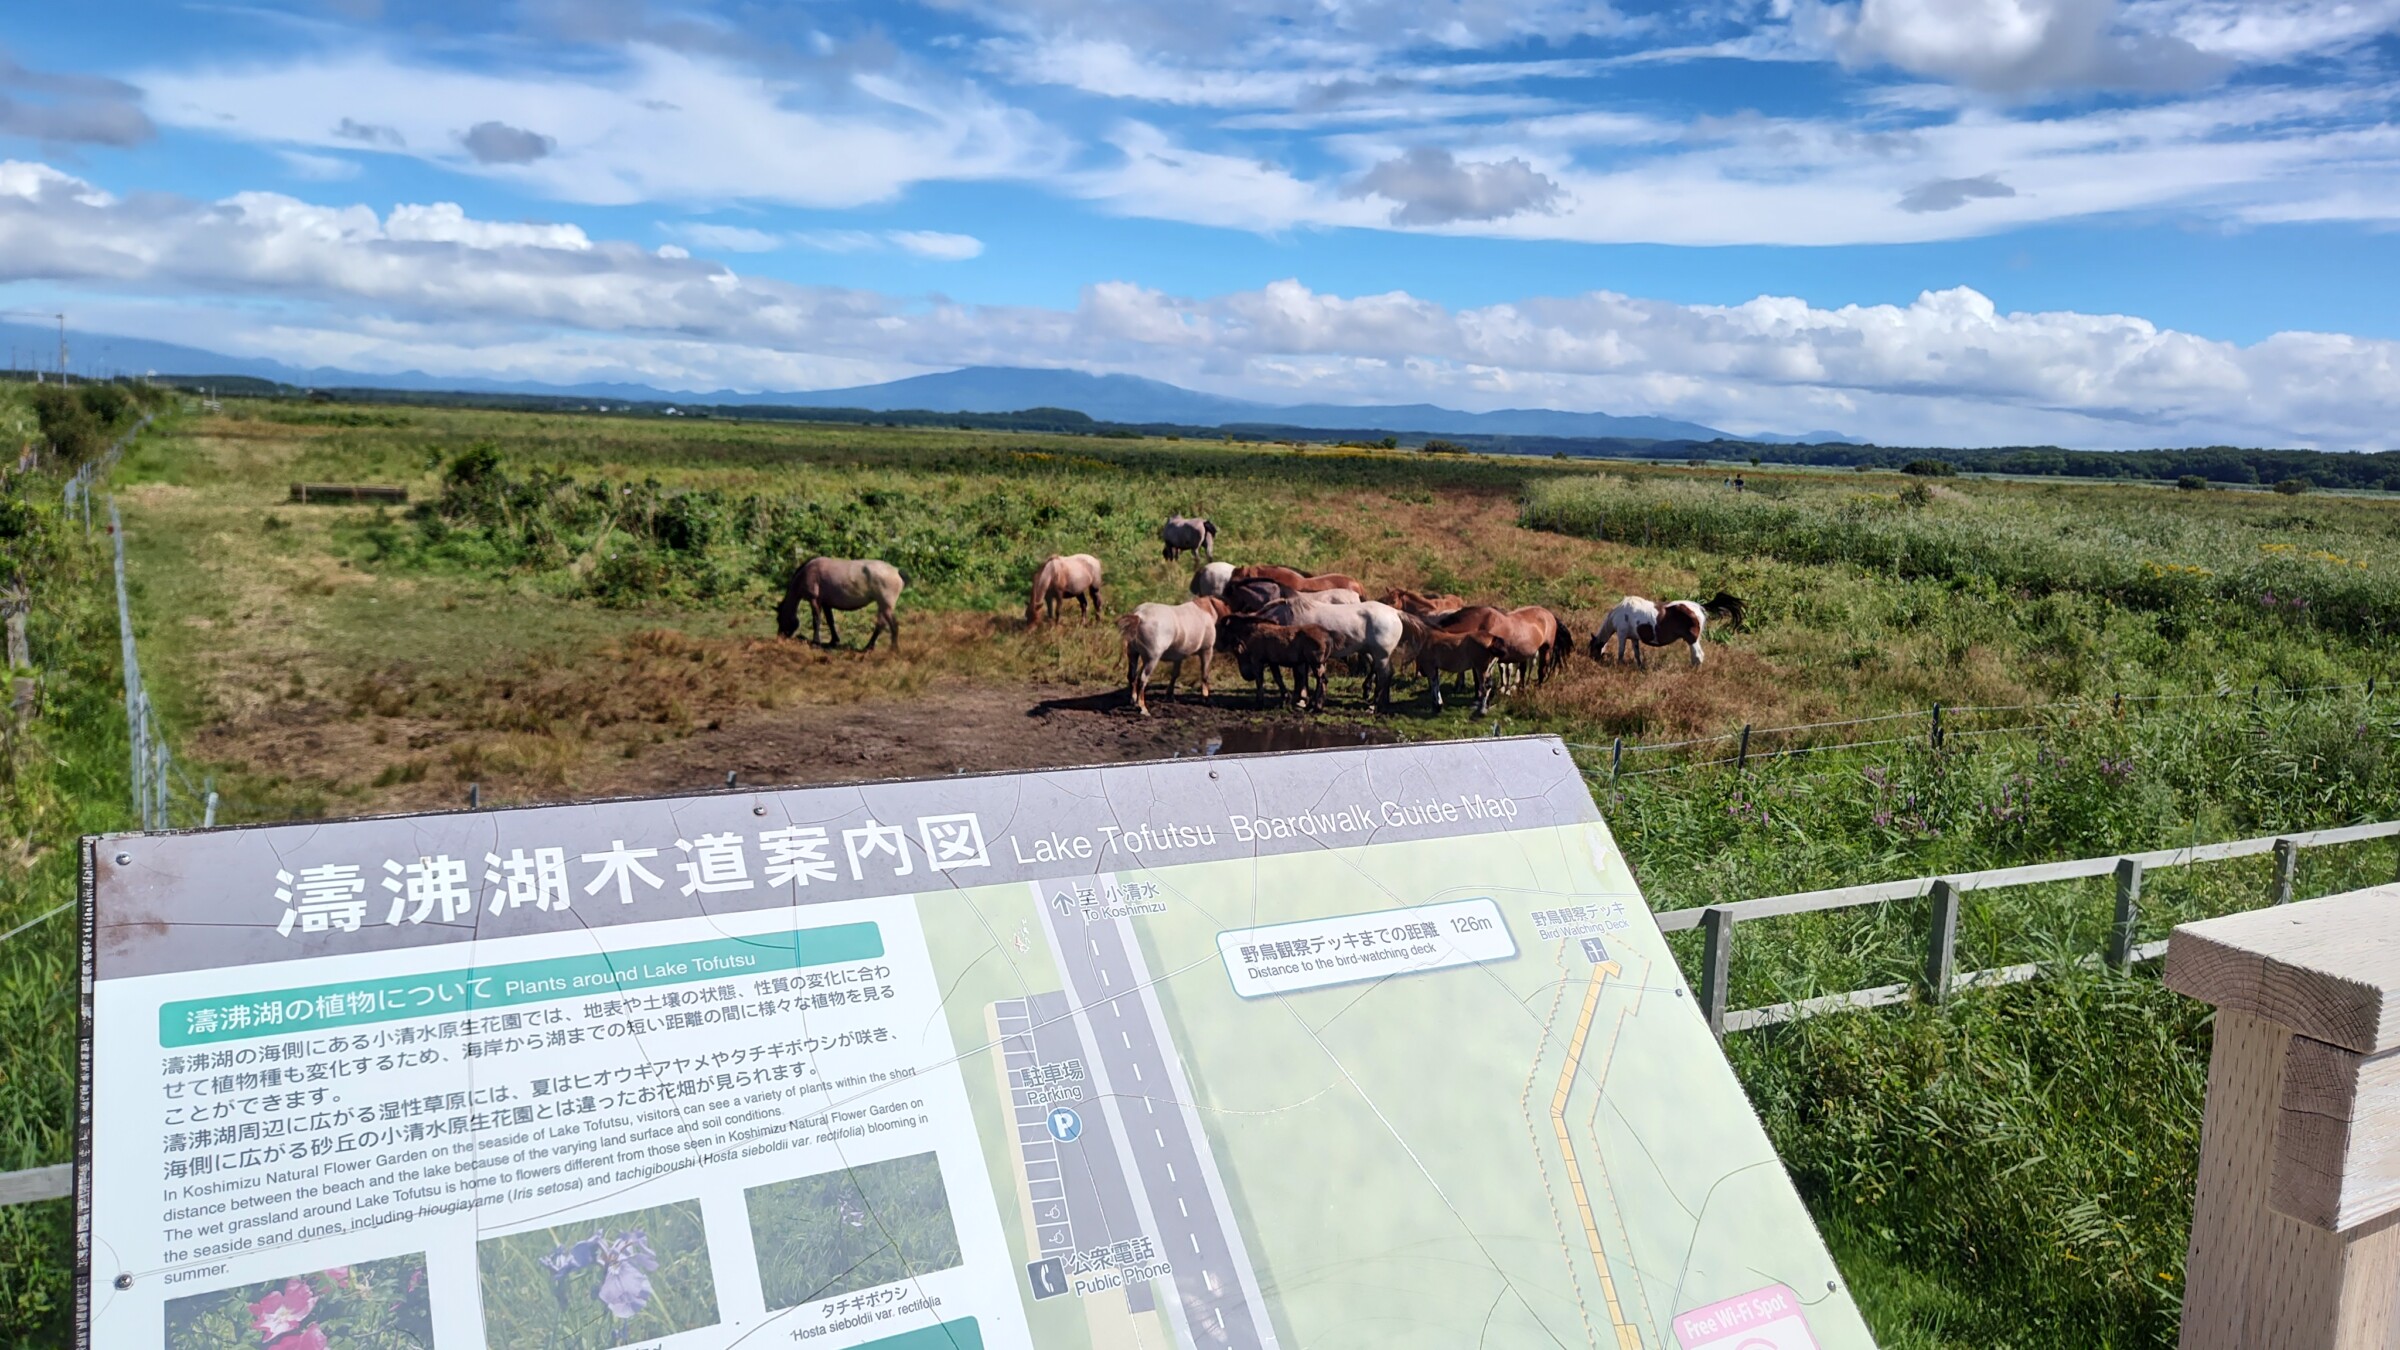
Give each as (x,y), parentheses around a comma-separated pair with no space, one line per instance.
(2287,869)
(1741,758)
(1616,756)
(1716,962)
(1935,740)
(1941,949)
(2129,909)
(2296,1214)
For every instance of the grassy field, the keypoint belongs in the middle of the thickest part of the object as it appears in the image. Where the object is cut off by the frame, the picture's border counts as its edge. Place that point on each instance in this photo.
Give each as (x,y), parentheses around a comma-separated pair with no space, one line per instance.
(579,605)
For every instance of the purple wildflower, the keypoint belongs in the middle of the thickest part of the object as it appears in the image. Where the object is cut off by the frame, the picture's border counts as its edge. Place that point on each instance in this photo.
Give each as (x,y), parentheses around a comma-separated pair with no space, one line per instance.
(625,1289)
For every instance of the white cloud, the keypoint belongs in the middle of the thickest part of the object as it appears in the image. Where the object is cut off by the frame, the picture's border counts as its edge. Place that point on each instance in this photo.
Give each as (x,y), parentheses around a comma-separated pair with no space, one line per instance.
(661,126)
(1430,186)
(725,238)
(317,168)
(434,289)
(2013,46)
(936,244)
(2253,31)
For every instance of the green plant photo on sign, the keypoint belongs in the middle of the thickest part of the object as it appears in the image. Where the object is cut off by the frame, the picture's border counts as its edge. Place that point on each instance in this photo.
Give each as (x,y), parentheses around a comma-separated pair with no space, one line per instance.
(372,1305)
(620,1279)
(838,1232)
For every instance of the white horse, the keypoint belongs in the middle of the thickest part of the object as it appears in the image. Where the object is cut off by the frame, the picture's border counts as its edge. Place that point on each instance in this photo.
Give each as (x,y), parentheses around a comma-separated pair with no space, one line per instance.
(1637,623)
(1171,633)
(1212,579)
(1369,632)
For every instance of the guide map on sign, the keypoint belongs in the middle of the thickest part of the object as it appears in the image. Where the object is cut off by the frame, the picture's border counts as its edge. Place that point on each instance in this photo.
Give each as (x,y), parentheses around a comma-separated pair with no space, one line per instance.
(1374,1046)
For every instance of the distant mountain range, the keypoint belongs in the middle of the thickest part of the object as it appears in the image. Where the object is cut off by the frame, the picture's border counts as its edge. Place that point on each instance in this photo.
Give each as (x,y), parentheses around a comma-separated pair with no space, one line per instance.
(975,389)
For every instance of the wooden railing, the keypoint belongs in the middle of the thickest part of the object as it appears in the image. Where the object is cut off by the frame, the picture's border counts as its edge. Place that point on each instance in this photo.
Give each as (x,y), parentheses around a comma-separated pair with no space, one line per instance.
(1716,922)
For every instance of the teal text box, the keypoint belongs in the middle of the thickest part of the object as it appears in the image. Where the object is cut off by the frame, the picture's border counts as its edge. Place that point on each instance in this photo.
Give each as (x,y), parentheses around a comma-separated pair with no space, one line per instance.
(283,1012)
(960,1334)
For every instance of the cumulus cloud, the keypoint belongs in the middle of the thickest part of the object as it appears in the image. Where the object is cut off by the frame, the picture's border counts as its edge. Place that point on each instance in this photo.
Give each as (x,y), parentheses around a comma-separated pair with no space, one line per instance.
(1429,186)
(500,143)
(2014,46)
(70,109)
(1949,194)
(351,129)
(444,287)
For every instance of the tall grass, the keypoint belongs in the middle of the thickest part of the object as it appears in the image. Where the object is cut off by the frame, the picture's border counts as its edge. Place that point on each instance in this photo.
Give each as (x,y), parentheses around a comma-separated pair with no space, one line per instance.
(2325,564)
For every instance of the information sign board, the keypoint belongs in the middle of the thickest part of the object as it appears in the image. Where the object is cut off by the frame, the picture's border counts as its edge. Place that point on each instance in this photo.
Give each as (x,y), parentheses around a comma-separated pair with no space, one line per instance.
(1370,1046)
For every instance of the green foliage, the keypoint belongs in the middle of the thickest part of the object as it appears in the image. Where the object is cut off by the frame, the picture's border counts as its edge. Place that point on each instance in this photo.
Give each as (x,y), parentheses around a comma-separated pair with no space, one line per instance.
(2292,487)
(1926,468)
(2191,482)
(1435,445)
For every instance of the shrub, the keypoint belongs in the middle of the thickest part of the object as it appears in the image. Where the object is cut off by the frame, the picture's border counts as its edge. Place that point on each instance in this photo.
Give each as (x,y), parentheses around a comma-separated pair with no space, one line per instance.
(1930,468)
(1437,446)
(2292,487)
(2191,482)
(67,422)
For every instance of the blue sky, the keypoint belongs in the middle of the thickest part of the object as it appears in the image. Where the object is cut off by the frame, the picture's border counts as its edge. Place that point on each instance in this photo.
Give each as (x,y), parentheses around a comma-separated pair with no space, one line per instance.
(2097,222)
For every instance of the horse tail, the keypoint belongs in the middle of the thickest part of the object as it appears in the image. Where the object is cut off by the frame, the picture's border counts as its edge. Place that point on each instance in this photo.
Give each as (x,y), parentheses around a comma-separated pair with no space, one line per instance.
(1129,625)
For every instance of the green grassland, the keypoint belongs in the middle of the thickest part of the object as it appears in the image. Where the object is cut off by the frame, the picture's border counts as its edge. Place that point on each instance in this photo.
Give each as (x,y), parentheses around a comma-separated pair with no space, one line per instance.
(569,593)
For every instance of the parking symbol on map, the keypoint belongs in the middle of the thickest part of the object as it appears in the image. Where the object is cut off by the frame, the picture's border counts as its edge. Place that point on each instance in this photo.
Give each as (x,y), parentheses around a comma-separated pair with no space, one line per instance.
(1593,951)
(1048,1278)
(1065,1126)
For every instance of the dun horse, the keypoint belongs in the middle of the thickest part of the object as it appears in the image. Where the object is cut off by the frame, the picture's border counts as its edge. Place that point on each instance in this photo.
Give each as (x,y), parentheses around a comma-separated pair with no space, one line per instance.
(828,584)
(1074,576)
(1170,633)
(1184,535)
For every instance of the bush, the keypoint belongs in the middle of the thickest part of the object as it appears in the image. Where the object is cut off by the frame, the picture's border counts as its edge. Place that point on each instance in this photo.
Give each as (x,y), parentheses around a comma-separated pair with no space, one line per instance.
(1438,446)
(1930,468)
(2191,482)
(2292,487)
(67,423)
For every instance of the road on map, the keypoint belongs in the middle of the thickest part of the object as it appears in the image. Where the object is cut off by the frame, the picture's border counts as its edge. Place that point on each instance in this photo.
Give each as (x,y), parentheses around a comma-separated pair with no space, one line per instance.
(1158,1128)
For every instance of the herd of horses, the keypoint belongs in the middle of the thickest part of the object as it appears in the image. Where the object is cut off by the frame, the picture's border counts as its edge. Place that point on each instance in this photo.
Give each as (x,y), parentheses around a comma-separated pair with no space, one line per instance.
(1287,626)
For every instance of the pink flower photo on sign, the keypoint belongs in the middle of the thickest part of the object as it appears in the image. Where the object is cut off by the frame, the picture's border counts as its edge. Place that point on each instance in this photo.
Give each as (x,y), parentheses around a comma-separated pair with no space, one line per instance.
(1763,1319)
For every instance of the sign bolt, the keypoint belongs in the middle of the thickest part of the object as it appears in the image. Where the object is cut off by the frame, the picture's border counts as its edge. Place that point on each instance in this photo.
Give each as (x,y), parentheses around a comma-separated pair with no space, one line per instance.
(124,1281)
(123,859)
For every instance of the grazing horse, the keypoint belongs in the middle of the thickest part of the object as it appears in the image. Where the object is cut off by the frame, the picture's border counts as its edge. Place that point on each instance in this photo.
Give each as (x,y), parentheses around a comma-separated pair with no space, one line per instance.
(1727,606)
(828,584)
(1261,648)
(1076,577)
(1523,636)
(1212,579)
(1637,623)
(1367,633)
(1441,652)
(1295,581)
(1170,633)
(1423,606)
(1183,535)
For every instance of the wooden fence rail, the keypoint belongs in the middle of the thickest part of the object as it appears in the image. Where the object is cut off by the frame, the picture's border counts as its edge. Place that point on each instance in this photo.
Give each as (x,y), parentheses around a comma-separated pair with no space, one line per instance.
(1717,922)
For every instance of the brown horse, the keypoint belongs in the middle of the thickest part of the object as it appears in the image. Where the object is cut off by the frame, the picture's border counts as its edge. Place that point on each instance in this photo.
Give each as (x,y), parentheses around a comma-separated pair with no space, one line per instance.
(1440,652)
(828,584)
(1524,636)
(1260,647)
(1075,576)
(1170,633)
(1295,581)
(1423,606)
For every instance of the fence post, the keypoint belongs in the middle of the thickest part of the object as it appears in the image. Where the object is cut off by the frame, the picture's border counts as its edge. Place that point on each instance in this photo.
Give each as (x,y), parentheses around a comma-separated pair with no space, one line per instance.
(474,796)
(208,804)
(2292,1244)
(1616,756)
(1941,949)
(2287,868)
(1741,758)
(1937,726)
(2129,908)
(1716,962)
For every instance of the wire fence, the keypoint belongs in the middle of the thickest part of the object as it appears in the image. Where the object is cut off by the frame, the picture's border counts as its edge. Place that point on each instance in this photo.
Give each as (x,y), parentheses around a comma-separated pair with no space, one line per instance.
(78,490)
(1754,742)
(162,790)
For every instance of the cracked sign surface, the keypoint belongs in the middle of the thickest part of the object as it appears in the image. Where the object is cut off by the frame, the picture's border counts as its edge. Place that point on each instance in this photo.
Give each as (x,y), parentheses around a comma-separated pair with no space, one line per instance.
(1375,1045)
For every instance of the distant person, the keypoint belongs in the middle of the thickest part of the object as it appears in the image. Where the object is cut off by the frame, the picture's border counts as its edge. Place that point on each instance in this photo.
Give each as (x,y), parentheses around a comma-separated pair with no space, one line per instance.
(1738,484)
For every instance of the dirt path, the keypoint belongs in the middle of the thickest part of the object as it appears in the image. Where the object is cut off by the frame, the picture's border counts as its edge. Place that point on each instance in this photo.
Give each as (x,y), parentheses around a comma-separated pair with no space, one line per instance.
(954,729)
